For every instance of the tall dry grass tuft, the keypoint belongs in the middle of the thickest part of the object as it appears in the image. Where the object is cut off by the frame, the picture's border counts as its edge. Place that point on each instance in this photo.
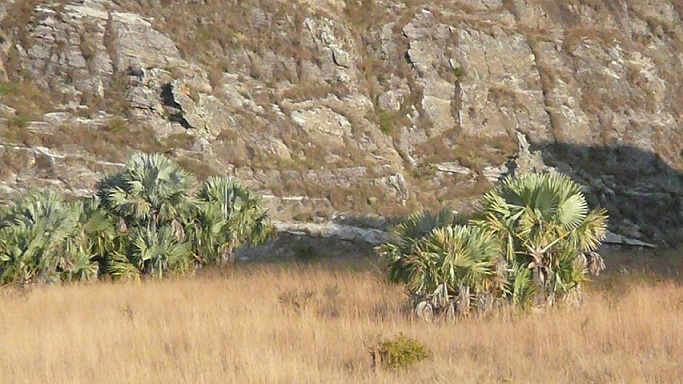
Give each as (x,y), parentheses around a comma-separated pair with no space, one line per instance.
(241,327)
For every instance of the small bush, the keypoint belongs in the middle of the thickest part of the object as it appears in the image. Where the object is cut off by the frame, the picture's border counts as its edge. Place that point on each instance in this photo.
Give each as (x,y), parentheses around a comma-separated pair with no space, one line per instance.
(386,121)
(401,352)
(423,171)
(21,122)
(296,300)
(5,88)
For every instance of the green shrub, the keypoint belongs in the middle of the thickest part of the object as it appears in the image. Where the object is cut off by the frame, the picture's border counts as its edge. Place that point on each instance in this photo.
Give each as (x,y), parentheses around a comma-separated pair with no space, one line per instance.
(423,171)
(386,121)
(398,353)
(532,243)
(19,122)
(43,238)
(459,72)
(5,89)
(151,219)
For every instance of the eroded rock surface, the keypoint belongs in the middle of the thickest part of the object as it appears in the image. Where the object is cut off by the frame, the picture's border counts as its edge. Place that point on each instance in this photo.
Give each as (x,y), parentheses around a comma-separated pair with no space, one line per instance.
(372,107)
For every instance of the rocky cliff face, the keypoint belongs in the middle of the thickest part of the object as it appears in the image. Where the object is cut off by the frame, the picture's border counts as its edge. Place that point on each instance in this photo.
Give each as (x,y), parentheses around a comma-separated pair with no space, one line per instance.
(366,106)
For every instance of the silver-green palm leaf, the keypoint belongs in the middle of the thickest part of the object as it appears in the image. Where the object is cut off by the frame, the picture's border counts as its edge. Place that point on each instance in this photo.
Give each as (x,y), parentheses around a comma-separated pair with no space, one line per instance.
(229,216)
(40,239)
(149,191)
(152,253)
(544,223)
(438,260)
(408,234)
(457,256)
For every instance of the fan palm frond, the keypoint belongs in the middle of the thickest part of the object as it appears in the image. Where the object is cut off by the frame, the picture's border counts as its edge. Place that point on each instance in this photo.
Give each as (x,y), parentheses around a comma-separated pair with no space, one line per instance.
(229,216)
(150,190)
(36,237)
(544,223)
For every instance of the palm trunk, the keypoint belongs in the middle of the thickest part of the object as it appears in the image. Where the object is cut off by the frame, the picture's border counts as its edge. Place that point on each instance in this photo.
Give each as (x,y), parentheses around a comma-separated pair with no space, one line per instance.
(539,281)
(154,223)
(228,256)
(464,301)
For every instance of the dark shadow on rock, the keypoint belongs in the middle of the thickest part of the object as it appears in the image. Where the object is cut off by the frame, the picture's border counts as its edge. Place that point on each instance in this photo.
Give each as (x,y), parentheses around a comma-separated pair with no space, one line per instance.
(629,265)
(642,193)
(289,248)
(174,110)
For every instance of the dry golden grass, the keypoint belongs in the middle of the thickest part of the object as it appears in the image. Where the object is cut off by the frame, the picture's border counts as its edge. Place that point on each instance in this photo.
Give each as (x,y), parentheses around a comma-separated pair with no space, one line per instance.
(231,328)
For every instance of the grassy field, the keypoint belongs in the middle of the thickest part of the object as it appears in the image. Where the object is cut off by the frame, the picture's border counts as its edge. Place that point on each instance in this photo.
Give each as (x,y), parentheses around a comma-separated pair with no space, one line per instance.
(292,323)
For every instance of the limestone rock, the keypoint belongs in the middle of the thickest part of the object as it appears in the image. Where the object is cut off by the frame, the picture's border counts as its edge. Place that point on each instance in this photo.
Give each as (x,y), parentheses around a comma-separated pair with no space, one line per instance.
(615,239)
(397,184)
(3,72)
(343,232)
(7,111)
(454,168)
(427,38)
(321,99)
(323,124)
(334,47)
(393,98)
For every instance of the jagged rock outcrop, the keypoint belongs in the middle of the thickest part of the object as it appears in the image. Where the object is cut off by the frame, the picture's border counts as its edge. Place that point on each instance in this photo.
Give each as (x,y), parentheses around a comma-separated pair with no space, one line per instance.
(377,106)
(375,231)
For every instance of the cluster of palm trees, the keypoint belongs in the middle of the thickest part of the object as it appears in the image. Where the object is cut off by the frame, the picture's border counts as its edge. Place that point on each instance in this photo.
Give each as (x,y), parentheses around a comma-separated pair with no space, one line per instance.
(150,219)
(531,243)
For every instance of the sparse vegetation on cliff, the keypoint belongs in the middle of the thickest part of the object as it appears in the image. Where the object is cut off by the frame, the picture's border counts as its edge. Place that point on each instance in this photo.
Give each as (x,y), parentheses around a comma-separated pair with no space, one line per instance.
(334,110)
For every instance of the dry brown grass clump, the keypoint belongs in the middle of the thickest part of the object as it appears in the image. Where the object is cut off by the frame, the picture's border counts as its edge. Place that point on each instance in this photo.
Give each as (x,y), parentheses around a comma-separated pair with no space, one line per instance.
(308,324)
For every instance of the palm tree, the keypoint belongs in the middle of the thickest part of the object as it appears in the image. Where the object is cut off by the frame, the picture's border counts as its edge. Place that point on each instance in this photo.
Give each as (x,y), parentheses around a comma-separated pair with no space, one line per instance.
(97,237)
(228,216)
(151,190)
(37,240)
(545,225)
(151,253)
(533,241)
(408,234)
(147,220)
(444,265)
(457,261)
(152,202)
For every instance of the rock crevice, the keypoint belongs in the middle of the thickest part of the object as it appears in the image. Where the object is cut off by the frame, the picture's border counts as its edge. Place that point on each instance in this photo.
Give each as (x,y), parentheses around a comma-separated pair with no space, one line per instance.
(377,108)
